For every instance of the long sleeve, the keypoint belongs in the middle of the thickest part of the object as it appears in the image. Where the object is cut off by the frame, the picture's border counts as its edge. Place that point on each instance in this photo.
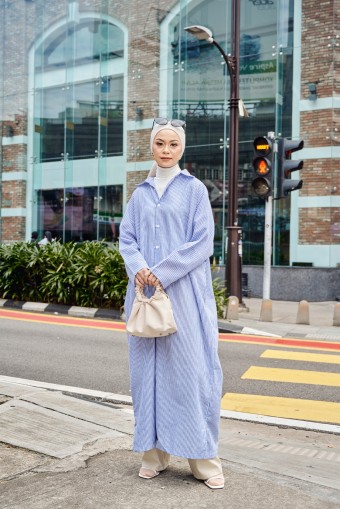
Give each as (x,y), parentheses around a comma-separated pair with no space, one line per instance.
(128,246)
(190,255)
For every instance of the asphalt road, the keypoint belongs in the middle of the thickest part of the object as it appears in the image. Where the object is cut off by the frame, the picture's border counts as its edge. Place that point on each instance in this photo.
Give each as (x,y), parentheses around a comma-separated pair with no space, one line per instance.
(67,355)
(94,358)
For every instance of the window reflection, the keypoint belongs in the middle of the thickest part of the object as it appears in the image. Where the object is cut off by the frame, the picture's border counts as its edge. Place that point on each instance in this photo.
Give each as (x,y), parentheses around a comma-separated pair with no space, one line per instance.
(91,39)
(81,213)
(82,119)
(200,93)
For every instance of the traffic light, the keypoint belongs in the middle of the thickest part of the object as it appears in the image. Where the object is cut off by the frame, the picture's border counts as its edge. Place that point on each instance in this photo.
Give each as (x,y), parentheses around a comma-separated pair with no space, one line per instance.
(263,164)
(286,165)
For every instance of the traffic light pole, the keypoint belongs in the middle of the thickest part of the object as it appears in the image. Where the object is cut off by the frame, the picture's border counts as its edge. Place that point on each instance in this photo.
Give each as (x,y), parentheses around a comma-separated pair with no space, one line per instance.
(268,228)
(273,167)
(268,234)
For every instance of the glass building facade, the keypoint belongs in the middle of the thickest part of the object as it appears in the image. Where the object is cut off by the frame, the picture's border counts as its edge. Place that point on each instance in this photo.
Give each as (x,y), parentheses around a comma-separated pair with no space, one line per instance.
(81,80)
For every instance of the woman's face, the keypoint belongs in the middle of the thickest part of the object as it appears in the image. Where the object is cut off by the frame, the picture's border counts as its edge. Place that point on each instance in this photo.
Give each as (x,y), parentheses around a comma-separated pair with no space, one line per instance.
(166,148)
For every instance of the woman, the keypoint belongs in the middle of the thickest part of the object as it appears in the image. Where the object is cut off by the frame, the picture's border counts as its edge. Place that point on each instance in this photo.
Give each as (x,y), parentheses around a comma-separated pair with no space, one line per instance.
(47,239)
(166,237)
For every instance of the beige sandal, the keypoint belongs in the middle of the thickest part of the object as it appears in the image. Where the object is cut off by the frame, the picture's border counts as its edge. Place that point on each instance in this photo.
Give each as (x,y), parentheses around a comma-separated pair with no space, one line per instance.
(147,473)
(215,486)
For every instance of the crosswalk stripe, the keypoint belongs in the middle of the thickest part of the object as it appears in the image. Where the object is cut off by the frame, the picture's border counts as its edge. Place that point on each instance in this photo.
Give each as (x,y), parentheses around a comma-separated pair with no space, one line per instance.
(296,376)
(303,409)
(301,356)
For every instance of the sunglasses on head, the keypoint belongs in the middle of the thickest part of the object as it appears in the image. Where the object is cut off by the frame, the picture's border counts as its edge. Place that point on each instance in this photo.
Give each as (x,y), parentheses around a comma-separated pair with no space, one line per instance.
(164,121)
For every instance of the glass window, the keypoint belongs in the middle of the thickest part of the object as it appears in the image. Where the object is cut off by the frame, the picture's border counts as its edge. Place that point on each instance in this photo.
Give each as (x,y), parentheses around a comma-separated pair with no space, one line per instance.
(81,119)
(78,109)
(81,213)
(200,94)
(91,39)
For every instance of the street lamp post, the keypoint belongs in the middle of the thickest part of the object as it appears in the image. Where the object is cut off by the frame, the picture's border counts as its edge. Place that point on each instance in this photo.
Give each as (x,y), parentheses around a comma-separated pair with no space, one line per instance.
(233,261)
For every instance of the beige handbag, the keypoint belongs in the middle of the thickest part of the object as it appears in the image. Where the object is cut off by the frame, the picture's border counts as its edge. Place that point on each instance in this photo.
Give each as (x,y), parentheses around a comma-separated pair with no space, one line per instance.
(151,317)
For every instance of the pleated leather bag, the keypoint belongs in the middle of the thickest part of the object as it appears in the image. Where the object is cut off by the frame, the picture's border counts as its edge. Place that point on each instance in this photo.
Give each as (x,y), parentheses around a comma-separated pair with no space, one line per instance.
(151,317)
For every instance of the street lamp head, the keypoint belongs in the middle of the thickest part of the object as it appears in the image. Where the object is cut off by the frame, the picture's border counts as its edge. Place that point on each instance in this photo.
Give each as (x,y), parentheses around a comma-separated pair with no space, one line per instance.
(200,32)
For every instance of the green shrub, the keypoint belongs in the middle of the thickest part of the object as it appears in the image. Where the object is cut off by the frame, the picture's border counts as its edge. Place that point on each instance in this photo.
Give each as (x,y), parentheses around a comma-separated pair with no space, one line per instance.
(58,285)
(100,276)
(90,274)
(220,298)
(21,271)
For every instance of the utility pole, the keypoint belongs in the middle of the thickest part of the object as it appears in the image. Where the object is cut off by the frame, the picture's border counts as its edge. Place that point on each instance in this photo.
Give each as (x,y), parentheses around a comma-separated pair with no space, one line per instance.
(268,233)
(234,232)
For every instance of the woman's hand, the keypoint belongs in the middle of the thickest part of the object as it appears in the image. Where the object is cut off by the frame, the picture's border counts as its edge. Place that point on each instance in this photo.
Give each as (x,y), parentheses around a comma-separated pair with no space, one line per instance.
(153,280)
(141,278)
(145,277)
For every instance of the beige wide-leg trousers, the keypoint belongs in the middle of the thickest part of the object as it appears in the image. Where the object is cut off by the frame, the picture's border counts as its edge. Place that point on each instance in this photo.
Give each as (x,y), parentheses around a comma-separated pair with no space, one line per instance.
(158,460)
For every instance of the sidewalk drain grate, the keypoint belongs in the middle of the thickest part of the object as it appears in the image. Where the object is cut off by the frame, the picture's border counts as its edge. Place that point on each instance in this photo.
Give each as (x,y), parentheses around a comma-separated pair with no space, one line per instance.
(284,449)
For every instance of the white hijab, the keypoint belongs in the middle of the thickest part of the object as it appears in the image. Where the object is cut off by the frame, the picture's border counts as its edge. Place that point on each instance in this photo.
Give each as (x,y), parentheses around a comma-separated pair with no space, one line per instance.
(156,129)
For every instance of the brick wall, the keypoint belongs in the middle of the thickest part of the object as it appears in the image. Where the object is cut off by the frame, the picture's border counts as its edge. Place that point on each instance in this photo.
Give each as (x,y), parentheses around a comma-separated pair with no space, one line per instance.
(319,225)
(14,194)
(138,148)
(320,128)
(134,178)
(316,57)
(321,177)
(13,228)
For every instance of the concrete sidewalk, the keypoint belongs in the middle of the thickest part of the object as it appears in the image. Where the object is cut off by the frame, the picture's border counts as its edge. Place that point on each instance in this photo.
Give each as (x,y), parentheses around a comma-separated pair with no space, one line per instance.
(321,316)
(61,451)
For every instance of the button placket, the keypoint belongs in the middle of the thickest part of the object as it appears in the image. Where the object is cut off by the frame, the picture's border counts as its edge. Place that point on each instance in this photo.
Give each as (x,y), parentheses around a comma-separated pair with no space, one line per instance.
(157,226)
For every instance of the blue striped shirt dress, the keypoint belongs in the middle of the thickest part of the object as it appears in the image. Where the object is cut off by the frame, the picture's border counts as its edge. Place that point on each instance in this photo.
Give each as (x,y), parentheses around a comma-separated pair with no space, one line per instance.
(176,381)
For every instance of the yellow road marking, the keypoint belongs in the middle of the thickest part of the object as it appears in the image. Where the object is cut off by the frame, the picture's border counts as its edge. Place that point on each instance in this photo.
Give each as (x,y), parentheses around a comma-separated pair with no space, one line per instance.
(289,408)
(296,376)
(301,356)
(83,325)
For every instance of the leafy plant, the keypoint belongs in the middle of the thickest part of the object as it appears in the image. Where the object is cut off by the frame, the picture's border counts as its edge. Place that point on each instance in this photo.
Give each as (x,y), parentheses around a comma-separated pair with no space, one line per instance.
(20,271)
(58,285)
(100,276)
(89,274)
(220,298)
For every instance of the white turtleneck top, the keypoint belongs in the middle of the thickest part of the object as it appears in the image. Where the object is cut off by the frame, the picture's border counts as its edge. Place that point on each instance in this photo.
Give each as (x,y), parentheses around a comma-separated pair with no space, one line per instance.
(163,177)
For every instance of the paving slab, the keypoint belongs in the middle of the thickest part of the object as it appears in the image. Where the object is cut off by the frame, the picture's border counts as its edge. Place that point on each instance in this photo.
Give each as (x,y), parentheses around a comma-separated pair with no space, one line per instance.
(305,455)
(7,382)
(18,391)
(289,459)
(38,429)
(97,413)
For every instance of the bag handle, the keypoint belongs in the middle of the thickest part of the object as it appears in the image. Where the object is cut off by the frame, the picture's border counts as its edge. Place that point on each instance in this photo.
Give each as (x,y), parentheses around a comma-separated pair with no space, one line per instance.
(140,293)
